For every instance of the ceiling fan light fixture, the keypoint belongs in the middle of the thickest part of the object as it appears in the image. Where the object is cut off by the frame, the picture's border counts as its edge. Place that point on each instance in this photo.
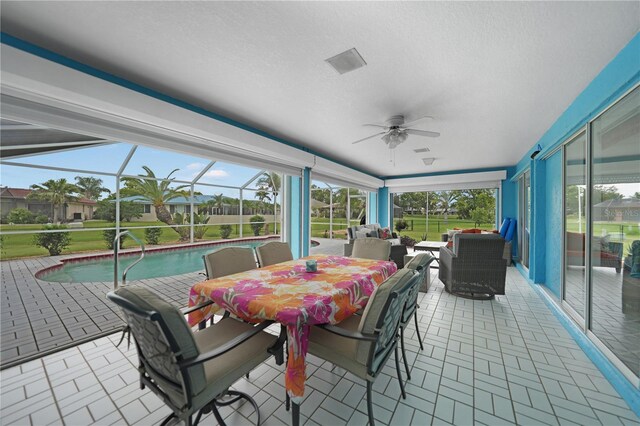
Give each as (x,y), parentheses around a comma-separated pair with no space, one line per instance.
(394,138)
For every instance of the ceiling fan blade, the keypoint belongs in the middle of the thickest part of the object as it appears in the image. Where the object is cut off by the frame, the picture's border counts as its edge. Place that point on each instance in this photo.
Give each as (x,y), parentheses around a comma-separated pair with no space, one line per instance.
(369,137)
(416,120)
(422,133)
(376,125)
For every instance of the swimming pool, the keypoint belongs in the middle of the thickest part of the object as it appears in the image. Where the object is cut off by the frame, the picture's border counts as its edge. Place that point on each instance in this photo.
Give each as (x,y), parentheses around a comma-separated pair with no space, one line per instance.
(156,263)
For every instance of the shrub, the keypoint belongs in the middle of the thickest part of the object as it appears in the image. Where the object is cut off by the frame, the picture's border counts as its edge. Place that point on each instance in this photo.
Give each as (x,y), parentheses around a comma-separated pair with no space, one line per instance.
(42,219)
(199,219)
(152,235)
(401,225)
(407,241)
(257,222)
(110,234)
(225,231)
(54,242)
(20,216)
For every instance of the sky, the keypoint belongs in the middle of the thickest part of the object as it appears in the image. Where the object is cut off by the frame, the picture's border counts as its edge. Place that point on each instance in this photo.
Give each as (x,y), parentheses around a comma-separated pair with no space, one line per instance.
(109,158)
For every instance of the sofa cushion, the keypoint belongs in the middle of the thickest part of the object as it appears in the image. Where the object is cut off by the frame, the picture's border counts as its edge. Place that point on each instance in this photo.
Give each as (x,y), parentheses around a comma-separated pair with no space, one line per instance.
(452,232)
(362,234)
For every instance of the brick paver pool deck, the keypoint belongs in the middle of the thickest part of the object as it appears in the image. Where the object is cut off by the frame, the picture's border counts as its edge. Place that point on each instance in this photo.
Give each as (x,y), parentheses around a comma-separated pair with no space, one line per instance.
(40,317)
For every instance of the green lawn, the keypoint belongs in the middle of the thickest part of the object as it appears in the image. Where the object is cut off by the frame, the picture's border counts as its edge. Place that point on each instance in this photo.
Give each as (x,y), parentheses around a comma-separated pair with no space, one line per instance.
(21,245)
(626,232)
(416,226)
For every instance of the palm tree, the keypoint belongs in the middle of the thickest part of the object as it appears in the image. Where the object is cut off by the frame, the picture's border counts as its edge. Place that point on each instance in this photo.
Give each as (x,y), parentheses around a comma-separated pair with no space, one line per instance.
(446,200)
(158,192)
(217,202)
(57,192)
(268,186)
(90,187)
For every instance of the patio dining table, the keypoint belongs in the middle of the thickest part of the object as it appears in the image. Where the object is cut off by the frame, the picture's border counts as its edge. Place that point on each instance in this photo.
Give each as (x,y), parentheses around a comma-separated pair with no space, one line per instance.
(289,295)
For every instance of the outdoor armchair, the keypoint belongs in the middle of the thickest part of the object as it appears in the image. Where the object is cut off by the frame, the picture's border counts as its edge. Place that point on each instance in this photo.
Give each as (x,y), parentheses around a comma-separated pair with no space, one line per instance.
(363,344)
(371,248)
(228,260)
(273,252)
(475,268)
(190,371)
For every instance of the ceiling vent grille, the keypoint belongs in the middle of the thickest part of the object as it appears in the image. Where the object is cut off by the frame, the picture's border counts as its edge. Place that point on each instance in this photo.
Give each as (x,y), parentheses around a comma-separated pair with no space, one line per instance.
(346,61)
(428,161)
(419,150)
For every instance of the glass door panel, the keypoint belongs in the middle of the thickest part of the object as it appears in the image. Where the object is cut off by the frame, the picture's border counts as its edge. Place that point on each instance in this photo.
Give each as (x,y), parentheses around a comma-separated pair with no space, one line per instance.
(523,219)
(615,225)
(575,223)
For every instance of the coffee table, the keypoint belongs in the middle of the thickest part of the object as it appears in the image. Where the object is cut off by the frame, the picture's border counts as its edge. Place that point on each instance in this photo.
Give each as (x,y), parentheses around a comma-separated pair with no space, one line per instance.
(432,247)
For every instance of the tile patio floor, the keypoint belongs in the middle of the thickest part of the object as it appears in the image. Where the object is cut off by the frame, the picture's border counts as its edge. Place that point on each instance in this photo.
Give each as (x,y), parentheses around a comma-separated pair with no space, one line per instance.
(485,362)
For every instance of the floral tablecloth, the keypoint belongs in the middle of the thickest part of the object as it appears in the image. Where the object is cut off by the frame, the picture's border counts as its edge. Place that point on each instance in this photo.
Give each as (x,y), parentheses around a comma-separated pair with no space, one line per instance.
(286,293)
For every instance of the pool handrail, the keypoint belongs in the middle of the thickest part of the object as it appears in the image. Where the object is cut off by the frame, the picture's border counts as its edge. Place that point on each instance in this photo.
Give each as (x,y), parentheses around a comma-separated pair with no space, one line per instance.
(116,246)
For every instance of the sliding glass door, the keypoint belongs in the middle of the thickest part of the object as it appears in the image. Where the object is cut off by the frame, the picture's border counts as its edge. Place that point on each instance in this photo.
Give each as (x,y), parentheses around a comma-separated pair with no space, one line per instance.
(615,230)
(524,217)
(575,224)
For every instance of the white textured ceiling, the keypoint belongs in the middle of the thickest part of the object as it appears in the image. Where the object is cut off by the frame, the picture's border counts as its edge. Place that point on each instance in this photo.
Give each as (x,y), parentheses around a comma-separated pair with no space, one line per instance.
(494,75)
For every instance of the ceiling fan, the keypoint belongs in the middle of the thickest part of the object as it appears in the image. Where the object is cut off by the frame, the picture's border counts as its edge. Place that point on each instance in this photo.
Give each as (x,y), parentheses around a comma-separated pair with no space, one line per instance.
(397,131)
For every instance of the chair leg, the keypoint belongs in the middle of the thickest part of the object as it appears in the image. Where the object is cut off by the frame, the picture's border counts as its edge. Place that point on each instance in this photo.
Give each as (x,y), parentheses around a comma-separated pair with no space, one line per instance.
(216,413)
(287,401)
(415,316)
(370,404)
(404,395)
(166,420)
(197,420)
(404,353)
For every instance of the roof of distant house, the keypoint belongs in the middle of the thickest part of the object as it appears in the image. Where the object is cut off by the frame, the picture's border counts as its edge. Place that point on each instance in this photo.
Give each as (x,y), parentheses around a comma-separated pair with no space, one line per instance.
(22,194)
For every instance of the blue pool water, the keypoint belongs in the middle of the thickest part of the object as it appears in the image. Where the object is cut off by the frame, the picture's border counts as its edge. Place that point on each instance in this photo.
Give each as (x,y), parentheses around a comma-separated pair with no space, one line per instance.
(154,265)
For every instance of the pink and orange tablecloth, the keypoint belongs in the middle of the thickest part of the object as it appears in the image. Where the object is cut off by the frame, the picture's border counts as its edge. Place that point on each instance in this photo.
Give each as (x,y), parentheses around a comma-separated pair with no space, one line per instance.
(287,294)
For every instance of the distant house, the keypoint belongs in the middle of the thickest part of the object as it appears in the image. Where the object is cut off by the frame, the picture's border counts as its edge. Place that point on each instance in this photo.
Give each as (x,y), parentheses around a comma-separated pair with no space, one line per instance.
(182,205)
(17,198)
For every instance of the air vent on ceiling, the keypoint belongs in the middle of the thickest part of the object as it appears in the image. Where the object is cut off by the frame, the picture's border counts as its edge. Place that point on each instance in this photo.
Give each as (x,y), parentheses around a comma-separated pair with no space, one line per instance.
(428,161)
(346,61)
(419,150)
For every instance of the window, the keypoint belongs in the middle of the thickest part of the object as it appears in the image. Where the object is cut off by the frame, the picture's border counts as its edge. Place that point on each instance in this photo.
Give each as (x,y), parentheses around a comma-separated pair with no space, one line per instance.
(147,208)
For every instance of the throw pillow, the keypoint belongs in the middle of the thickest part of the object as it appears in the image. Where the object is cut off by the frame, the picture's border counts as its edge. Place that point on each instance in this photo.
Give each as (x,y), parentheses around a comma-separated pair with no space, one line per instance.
(471,231)
(505,227)
(384,233)
(373,234)
(511,232)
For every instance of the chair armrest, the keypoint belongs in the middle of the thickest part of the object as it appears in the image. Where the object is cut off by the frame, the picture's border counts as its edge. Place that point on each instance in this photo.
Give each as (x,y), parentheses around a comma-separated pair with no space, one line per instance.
(446,255)
(185,311)
(348,334)
(226,347)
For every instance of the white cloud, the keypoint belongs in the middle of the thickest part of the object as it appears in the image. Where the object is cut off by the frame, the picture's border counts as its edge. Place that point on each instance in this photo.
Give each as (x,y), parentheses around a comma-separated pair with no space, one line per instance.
(195,166)
(216,173)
